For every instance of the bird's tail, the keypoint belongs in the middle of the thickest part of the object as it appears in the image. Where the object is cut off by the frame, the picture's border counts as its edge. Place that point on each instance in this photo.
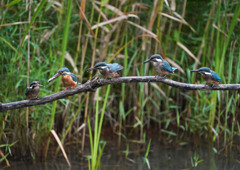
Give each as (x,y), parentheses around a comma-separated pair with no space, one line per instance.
(78,83)
(119,73)
(173,69)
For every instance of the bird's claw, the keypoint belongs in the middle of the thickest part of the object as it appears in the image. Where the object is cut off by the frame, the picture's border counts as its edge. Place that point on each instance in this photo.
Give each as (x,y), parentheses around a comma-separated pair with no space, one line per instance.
(34,98)
(164,77)
(214,85)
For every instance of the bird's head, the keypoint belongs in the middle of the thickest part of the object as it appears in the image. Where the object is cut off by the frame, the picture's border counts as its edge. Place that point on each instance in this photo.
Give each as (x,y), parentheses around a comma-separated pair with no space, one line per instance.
(203,71)
(35,84)
(59,73)
(154,58)
(99,66)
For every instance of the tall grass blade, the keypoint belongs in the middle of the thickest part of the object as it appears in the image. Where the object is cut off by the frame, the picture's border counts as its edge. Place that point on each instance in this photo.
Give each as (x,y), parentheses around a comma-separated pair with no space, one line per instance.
(40,7)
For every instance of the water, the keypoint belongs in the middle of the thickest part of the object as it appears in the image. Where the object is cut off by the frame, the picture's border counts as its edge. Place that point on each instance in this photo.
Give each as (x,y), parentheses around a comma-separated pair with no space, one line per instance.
(160,157)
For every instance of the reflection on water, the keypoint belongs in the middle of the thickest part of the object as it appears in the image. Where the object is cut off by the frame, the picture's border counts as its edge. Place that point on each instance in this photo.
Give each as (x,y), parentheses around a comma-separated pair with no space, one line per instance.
(160,157)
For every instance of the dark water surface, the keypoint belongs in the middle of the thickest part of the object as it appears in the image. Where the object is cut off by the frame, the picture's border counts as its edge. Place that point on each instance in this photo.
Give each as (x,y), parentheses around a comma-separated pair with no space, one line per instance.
(160,157)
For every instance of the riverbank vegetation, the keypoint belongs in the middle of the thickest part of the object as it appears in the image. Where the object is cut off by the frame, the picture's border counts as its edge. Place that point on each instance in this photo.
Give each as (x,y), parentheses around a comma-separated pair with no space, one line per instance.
(38,38)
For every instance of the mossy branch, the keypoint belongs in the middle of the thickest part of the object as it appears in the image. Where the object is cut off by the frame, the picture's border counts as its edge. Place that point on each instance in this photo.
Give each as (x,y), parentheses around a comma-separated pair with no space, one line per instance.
(95,83)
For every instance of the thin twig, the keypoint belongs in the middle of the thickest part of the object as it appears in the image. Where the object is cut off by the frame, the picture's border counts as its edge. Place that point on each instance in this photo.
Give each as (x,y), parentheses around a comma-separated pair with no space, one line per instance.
(92,85)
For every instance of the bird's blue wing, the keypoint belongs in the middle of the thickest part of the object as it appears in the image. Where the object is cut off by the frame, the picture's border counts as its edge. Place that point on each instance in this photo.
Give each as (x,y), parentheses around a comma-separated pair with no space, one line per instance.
(115,67)
(167,66)
(215,76)
(119,73)
(74,77)
(26,90)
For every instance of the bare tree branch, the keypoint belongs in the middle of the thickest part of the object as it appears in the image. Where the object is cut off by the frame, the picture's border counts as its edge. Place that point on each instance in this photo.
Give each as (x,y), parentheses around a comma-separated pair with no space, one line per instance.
(95,83)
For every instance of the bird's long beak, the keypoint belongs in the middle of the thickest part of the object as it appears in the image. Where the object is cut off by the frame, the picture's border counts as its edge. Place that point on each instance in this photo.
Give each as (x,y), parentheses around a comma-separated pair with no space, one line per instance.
(39,82)
(53,77)
(90,69)
(194,70)
(147,61)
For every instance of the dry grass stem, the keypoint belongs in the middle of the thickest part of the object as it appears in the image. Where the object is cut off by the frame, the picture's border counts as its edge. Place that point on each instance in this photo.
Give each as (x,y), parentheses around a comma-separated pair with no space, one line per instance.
(188,51)
(61,146)
(15,23)
(123,17)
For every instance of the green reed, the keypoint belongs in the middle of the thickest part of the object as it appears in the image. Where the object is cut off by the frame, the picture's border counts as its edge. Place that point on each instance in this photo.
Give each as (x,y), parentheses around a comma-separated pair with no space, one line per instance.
(173,112)
(96,145)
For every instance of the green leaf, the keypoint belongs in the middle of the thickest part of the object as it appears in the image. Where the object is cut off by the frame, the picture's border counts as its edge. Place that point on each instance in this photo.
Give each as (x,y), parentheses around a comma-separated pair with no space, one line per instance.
(31,22)
(104,2)
(169,132)
(13,3)
(10,45)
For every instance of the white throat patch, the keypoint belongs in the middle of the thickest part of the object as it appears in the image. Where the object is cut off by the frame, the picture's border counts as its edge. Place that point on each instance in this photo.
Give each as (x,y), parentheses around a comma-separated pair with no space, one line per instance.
(207,73)
(158,60)
(103,67)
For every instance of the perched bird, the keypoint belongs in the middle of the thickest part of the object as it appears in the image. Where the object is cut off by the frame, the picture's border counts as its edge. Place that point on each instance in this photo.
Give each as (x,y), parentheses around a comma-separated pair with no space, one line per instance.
(208,75)
(162,66)
(108,70)
(69,79)
(32,90)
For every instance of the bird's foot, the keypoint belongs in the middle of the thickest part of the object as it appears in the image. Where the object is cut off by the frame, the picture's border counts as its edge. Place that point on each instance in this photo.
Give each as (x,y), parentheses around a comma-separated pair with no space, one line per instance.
(36,98)
(164,77)
(206,84)
(214,85)
(65,88)
(114,78)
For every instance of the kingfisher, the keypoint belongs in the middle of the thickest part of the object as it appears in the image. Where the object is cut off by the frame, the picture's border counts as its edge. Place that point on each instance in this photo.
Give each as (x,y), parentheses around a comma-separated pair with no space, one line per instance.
(69,79)
(162,66)
(108,70)
(32,90)
(209,75)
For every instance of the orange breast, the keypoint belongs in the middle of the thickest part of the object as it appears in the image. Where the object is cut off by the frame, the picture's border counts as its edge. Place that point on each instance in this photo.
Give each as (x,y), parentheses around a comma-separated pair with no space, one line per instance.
(68,81)
(216,82)
(115,74)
